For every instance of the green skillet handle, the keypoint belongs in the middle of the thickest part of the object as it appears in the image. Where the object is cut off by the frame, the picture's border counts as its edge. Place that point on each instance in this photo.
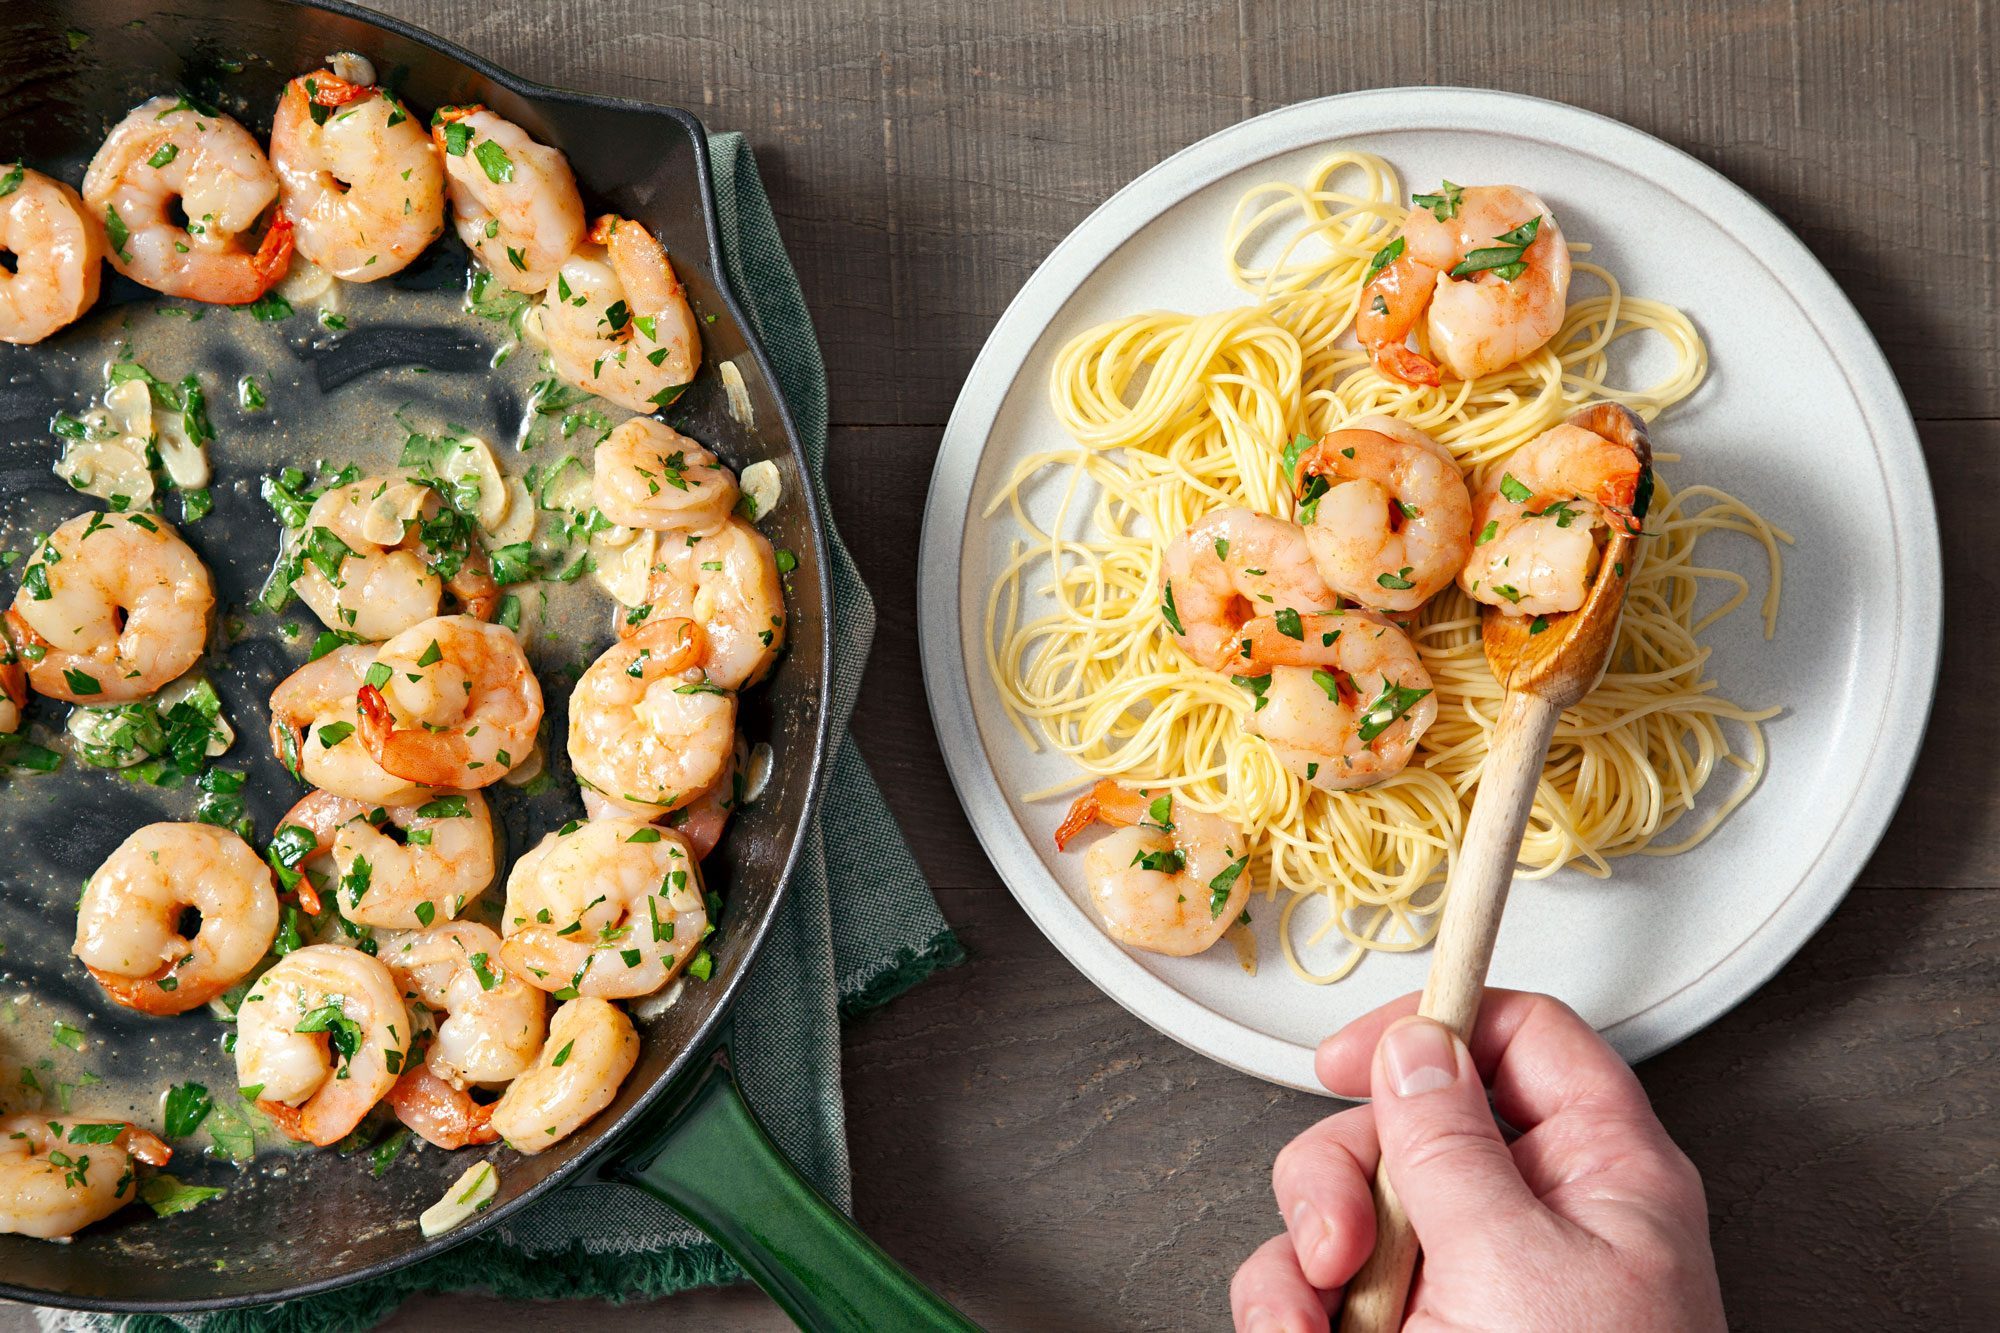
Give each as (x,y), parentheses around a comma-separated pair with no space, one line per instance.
(714,1164)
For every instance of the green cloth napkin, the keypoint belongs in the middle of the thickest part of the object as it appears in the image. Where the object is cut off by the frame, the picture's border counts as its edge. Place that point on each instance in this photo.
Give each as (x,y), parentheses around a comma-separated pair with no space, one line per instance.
(827,954)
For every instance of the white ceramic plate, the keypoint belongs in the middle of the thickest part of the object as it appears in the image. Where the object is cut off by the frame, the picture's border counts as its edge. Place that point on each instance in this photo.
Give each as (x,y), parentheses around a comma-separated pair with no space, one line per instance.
(1800,416)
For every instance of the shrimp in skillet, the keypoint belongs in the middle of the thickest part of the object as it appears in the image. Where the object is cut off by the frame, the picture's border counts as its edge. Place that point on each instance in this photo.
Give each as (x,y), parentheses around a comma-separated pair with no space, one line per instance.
(649,475)
(617,320)
(1231,565)
(181,194)
(13,683)
(321,1037)
(1484,266)
(59,1174)
(1346,696)
(513,201)
(129,922)
(591,1049)
(388,580)
(399,867)
(1169,878)
(727,582)
(611,907)
(316,730)
(57,250)
(1386,513)
(111,607)
(361,179)
(451,702)
(647,731)
(491,1026)
(1536,525)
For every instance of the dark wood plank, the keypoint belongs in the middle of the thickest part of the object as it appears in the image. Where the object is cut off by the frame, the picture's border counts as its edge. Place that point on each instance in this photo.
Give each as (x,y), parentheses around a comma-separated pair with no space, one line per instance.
(925,154)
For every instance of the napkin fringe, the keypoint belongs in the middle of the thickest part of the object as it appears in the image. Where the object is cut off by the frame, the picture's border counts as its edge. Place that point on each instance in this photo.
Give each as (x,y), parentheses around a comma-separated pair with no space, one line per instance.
(875,986)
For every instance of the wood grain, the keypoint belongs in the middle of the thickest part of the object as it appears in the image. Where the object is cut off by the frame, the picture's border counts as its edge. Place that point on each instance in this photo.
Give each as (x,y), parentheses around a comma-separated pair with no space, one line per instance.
(1018,1139)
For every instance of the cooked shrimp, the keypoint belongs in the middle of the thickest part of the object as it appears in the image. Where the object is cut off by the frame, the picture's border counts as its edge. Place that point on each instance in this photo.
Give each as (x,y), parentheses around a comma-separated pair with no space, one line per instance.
(438,1113)
(649,475)
(494,1020)
(180,192)
(702,821)
(111,607)
(617,319)
(611,908)
(726,582)
(590,1051)
(1536,526)
(360,177)
(13,683)
(1169,879)
(1489,266)
(402,866)
(56,248)
(646,730)
(59,1174)
(1347,696)
(459,706)
(1386,513)
(386,582)
(1231,565)
(129,923)
(316,724)
(492,1029)
(322,1037)
(513,201)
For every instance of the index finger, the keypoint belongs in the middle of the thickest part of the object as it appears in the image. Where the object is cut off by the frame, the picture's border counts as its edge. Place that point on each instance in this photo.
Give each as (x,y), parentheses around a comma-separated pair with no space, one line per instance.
(1536,1054)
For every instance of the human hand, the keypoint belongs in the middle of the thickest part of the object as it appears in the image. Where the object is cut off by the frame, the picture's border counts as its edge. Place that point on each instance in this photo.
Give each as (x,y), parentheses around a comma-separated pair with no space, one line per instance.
(1591,1219)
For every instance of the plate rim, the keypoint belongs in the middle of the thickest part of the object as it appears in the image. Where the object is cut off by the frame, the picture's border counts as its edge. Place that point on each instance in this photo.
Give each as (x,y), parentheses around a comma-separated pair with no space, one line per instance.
(1825,880)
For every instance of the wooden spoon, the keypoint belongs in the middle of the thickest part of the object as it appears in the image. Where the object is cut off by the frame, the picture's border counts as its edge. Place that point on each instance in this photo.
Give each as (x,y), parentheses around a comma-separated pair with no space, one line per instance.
(1543,671)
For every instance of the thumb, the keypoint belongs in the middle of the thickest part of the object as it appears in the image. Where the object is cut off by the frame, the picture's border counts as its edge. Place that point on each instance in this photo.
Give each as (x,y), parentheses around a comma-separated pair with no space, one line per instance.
(1442,1150)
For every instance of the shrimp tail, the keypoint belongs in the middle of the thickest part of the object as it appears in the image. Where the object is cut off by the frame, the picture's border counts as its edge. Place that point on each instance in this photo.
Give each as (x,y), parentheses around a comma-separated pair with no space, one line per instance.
(441,1115)
(474,587)
(1105,803)
(446,115)
(274,252)
(145,1146)
(1399,362)
(602,228)
(330,90)
(675,643)
(430,759)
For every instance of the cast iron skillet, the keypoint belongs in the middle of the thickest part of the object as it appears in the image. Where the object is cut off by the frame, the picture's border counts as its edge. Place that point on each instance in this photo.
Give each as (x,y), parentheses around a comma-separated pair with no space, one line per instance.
(69,69)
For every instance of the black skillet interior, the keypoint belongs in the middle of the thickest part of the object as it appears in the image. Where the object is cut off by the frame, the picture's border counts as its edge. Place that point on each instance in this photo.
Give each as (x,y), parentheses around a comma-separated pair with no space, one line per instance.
(295,1223)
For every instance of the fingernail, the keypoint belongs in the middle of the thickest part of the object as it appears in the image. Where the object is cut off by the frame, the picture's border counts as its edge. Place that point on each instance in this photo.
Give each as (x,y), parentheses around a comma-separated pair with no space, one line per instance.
(1421,1057)
(1309,1233)
(1261,1321)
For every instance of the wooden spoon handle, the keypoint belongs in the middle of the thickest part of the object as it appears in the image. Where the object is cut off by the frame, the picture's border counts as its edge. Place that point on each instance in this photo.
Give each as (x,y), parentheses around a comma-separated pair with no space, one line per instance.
(1474,896)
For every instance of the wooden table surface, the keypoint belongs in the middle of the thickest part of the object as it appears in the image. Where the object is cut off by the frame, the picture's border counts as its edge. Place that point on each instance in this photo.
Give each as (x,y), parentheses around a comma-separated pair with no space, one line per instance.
(1019,1140)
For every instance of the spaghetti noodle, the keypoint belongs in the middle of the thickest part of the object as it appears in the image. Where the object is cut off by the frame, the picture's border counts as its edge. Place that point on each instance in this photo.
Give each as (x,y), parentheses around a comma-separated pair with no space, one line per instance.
(1174,415)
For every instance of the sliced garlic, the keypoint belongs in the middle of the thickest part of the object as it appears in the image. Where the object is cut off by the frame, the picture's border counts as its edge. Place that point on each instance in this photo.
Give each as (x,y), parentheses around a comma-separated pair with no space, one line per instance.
(739,394)
(757,774)
(131,406)
(186,461)
(306,283)
(625,570)
(762,488)
(566,487)
(658,1003)
(109,469)
(220,734)
(352,66)
(468,1196)
(519,523)
(386,519)
(530,768)
(472,470)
